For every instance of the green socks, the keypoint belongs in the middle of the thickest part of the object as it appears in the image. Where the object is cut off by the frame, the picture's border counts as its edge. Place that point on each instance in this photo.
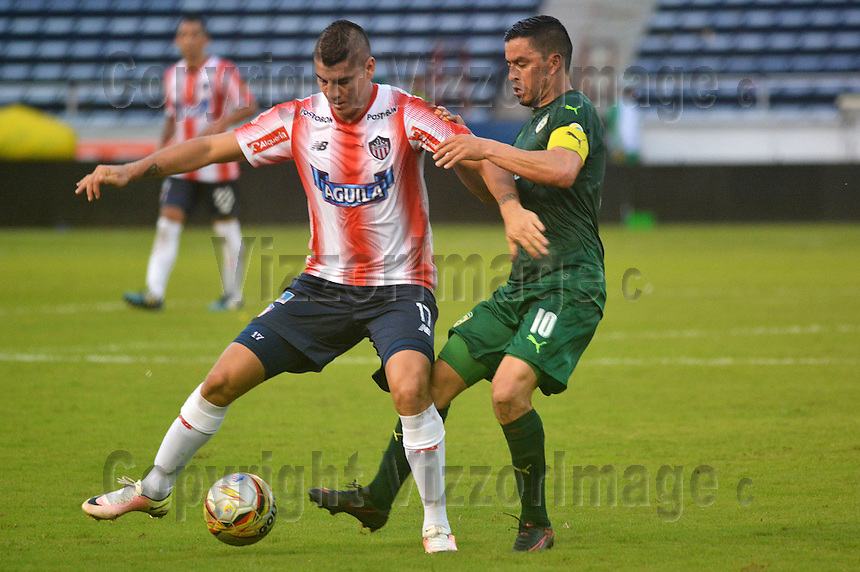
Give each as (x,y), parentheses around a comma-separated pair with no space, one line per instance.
(393,469)
(525,438)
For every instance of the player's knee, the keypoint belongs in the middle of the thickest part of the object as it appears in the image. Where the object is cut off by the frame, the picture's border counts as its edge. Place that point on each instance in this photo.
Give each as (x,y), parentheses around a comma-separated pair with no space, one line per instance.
(217,388)
(409,382)
(175,214)
(410,394)
(510,401)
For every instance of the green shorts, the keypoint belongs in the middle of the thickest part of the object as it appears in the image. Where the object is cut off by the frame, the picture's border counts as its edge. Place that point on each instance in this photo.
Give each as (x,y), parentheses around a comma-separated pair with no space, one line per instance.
(546,325)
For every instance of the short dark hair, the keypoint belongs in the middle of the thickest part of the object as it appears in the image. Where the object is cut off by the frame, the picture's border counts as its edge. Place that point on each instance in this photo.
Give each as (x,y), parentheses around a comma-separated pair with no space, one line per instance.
(342,39)
(193,18)
(547,34)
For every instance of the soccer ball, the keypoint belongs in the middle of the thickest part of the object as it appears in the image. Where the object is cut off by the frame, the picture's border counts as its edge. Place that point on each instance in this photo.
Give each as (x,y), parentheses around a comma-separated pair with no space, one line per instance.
(240,509)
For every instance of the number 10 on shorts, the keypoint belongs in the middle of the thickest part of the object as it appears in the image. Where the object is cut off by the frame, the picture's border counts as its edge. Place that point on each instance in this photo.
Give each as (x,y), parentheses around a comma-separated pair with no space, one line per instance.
(544,323)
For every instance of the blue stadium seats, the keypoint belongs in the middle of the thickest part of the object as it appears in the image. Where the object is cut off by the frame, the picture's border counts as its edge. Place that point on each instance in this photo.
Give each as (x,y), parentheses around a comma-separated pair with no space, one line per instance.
(48,44)
(791,45)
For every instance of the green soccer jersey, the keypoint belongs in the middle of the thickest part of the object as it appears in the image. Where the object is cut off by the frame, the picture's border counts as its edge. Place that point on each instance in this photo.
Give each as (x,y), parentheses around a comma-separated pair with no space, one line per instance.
(569,214)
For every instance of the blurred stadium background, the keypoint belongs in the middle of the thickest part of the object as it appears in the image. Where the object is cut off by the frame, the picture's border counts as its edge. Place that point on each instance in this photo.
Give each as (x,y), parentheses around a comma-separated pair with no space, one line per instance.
(718,109)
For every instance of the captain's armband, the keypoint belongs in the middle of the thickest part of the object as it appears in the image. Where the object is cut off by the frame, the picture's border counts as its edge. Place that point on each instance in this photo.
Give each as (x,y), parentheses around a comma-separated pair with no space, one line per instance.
(571,137)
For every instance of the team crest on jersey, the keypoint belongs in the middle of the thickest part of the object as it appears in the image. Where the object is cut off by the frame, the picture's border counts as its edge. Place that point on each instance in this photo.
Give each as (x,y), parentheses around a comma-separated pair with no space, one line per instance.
(380,147)
(542,123)
(351,195)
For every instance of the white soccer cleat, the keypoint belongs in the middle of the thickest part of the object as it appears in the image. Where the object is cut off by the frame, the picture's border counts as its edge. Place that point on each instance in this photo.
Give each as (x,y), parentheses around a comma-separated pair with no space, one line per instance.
(127,499)
(437,539)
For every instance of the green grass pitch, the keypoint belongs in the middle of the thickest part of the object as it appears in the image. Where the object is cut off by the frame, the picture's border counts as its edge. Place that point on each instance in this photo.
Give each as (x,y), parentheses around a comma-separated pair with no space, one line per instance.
(718,400)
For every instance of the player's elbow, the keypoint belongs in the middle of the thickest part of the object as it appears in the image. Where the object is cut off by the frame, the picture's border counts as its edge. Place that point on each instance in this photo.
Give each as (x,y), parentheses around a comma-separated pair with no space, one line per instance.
(564,179)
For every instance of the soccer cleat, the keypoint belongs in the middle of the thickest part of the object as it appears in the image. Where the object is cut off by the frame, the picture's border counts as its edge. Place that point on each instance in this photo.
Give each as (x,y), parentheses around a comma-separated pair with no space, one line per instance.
(143,300)
(355,502)
(533,538)
(127,499)
(226,304)
(437,539)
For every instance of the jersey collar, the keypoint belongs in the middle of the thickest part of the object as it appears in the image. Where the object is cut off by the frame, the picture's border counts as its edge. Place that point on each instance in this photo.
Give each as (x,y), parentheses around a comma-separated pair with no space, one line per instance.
(537,110)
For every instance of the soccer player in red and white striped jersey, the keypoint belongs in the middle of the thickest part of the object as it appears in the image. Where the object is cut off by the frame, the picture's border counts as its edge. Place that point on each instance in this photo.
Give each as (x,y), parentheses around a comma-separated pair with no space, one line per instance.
(359,150)
(204,95)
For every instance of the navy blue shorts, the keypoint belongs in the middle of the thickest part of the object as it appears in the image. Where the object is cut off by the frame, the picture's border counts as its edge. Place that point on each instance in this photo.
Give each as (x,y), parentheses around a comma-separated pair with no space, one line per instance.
(221,198)
(315,320)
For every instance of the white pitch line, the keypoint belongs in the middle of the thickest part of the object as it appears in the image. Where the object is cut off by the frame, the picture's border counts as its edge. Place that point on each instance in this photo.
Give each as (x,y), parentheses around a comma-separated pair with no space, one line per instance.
(684,361)
(750,331)
(725,361)
(101,359)
(88,308)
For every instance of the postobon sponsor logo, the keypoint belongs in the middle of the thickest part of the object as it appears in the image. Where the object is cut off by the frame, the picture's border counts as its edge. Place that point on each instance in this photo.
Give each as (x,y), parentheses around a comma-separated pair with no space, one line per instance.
(315,117)
(349,195)
(382,114)
(269,140)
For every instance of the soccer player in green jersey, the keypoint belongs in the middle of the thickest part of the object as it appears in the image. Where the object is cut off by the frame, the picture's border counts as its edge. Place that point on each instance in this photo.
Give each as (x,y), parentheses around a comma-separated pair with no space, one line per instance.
(533,330)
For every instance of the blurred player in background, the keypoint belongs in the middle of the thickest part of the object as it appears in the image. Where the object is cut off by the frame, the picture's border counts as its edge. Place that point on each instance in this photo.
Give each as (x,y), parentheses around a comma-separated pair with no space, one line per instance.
(204,95)
(532,331)
(359,149)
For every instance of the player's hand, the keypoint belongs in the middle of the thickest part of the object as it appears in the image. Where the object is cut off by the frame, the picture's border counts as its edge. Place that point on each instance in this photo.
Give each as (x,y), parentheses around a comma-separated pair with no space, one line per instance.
(524,228)
(448,116)
(116,175)
(460,148)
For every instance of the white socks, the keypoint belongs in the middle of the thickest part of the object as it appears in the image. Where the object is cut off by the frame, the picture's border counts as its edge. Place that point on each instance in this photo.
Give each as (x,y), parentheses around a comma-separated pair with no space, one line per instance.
(232,268)
(163,256)
(424,442)
(165,248)
(198,420)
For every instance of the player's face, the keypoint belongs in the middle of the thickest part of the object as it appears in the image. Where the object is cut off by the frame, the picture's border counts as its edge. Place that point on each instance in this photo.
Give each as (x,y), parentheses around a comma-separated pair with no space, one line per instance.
(346,85)
(528,71)
(191,39)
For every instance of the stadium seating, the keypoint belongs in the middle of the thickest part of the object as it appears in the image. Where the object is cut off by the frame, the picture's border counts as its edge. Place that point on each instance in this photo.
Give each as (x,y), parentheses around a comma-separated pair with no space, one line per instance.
(88,58)
(797,53)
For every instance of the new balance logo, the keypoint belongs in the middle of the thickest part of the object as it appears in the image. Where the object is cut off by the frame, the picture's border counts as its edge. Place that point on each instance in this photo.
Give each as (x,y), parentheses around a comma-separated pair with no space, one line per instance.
(537,344)
(319,146)
(257,335)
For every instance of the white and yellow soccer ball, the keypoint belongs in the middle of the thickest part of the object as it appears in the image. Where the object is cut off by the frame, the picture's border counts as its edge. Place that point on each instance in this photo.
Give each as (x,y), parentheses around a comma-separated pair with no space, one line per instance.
(240,509)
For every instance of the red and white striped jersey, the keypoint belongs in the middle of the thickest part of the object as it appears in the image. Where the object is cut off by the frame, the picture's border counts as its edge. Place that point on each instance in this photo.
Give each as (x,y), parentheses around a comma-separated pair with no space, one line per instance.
(195,98)
(364,181)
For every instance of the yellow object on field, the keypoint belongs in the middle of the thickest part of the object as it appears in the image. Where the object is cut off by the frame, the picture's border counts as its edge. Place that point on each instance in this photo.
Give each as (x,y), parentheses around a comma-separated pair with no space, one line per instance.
(27,133)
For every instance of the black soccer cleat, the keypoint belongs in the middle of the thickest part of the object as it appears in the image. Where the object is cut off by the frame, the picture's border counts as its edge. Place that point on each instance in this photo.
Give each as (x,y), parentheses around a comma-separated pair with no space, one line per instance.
(355,502)
(533,538)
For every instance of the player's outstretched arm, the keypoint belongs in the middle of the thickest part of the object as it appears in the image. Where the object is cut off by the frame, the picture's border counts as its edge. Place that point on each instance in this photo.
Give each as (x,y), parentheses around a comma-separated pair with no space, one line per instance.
(493,184)
(557,167)
(187,156)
